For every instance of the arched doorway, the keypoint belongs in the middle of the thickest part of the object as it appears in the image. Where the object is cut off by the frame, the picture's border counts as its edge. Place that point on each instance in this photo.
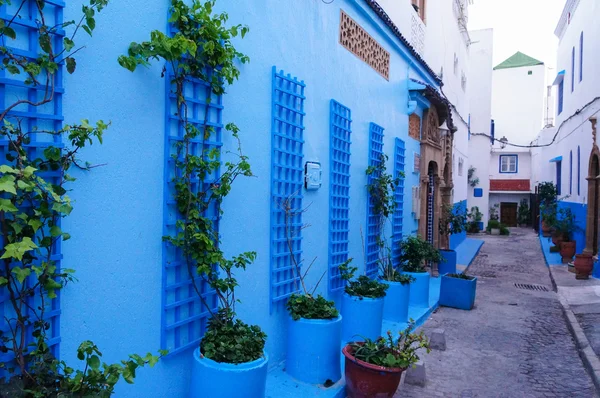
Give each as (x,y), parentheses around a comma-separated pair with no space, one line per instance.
(593,203)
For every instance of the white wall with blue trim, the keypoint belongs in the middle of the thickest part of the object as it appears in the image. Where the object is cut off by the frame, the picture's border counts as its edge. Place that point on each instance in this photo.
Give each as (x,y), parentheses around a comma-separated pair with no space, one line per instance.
(117,223)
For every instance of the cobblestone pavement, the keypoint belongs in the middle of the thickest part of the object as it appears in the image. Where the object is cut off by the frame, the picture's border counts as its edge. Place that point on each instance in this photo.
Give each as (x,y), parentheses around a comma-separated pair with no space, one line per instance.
(515,342)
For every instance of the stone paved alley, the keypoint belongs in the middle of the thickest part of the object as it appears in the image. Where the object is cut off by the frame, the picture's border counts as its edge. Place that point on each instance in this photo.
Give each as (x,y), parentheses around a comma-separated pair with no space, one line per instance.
(515,342)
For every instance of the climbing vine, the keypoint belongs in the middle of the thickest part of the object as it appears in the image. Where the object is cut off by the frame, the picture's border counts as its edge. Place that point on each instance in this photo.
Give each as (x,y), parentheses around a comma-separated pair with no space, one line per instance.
(31,208)
(381,189)
(201,48)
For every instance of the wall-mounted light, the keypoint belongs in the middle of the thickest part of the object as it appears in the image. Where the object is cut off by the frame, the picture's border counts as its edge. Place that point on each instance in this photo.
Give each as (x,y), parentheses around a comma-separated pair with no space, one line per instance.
(444,130)
(503,142)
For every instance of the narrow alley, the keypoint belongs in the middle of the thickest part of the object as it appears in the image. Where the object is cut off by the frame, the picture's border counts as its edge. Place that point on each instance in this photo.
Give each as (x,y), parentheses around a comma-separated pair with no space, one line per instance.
(515,342)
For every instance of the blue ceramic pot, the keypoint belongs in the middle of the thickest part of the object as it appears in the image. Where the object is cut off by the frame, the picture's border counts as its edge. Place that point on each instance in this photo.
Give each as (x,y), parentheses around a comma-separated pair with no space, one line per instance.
(395,307)
(458,293)
(313,349)
(448,266)
(362,318)
(419,289)
(226,380)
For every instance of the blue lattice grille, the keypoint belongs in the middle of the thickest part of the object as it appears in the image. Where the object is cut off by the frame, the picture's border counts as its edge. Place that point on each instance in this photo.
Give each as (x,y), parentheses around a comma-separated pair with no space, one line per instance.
(398,199)
(373,222)
(184,315)
(339,191)
(287,149)
(33,120)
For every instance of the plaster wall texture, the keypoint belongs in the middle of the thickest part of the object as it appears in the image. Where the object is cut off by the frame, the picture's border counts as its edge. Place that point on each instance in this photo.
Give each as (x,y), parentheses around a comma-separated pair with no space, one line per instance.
(518,103)
(480,68)
(117,221)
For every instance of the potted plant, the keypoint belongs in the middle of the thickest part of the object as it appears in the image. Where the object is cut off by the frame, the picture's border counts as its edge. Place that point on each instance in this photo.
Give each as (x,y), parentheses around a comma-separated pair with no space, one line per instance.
(547,194)
(362,305)
(566,228)
(397,297)
(314,325)
(414,253)
(230,357)
(523,213)
(474,220)
(373,368)
(584,264)
(493,227)
(458,291)
(451,222)
(504,231)
(494,212)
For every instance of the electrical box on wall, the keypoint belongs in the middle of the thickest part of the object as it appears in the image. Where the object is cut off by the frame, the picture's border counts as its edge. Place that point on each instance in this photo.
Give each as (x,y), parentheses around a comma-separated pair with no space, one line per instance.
(312,176)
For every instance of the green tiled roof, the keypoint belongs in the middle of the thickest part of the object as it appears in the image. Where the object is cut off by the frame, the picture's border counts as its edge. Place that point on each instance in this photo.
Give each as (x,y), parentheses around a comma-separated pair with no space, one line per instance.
(518,60)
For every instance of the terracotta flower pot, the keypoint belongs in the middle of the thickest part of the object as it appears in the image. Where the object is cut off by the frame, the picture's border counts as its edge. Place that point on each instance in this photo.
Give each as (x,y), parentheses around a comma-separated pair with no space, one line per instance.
(584,263)
(364,380)
(567,251)
(546,230)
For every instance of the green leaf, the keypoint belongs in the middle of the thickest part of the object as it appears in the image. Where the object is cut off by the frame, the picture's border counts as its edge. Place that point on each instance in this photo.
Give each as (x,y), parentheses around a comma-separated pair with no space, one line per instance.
(3,281)
(69,44)
(7,169)
(28,171)
(6,205)
(71,65)
(35,224)
(21,273)
(7,184)
(94,362)
(45,43)
(18,249)
(55,231)
(9,32)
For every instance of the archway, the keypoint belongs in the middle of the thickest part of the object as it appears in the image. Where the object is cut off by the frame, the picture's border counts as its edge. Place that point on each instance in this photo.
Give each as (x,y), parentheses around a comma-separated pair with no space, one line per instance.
(593,203)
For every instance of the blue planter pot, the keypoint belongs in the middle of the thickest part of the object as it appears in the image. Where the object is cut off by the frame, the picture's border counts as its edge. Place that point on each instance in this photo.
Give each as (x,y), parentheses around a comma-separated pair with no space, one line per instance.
(313,349)
(361,318)
(419,289)
(226,380)
(448,266)
(395,307)
(458,293)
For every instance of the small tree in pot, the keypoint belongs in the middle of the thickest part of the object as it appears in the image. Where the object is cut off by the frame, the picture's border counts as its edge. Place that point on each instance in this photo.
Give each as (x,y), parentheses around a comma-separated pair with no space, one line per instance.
(523,213)
(565,228)
(474,220)
(547,194)
(452,221)
(414,254)
(374,367)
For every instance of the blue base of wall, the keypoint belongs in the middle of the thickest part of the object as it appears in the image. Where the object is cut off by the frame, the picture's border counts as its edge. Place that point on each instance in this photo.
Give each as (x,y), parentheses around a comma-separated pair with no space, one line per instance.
(467,250)
(282,385)
(552,259)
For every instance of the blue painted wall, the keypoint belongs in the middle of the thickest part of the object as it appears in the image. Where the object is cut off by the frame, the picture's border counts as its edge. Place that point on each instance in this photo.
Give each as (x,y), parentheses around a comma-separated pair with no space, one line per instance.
(457,239)
(116,226)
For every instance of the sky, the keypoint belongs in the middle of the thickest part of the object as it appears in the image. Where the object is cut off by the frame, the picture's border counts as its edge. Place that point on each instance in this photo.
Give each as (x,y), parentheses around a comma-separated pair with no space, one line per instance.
(520,25)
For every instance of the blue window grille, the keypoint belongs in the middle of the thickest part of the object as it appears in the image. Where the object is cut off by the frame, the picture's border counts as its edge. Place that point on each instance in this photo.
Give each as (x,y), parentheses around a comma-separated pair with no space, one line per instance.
(373,225)
(561,87)
(581,57)
(33,119)
(339,190)
(571,173)
(184,314)
(399,160)
(287,154)
(578,170)
(573,70)
(559,177)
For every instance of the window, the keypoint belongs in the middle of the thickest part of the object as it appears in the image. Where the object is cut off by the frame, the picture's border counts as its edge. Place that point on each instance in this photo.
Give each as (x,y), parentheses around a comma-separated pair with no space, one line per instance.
(419,6)
(581,57)
(571,173)
(463,81)
(560,96)
(578,170)
(509,163)
(529,72)
(573,70)
(559,177)
(460,166)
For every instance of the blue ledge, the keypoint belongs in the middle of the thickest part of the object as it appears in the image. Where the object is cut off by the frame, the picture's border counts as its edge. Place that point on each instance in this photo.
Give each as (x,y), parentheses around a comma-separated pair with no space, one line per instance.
(552,259)
(281,385)
(467,250)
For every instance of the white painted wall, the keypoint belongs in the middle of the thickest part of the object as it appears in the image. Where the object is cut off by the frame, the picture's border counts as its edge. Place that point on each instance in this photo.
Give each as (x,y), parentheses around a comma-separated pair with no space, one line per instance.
(584,18)
(573,129)
(523,166)
(480,77)
(518,103)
